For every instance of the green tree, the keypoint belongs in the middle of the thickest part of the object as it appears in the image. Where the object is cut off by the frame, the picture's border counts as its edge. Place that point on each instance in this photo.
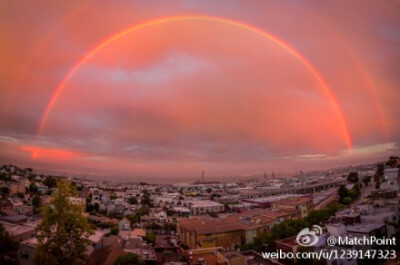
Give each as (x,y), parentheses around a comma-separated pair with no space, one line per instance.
(92,208)
(342,193)
(63,233)
(36,201)
(132,200)
(4,191)
(169,227)
(153,226)
(379,173)
(150,238)
(114,230)
(366,180)
(353,193)
(50,182)
(5,177)
(145,200)
(392,161)
(128,259)
(347,200)
(33,188)
(353,177)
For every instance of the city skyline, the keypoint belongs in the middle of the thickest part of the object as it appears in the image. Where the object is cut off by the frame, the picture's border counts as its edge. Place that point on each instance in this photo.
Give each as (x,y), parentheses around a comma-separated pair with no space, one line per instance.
(231,88)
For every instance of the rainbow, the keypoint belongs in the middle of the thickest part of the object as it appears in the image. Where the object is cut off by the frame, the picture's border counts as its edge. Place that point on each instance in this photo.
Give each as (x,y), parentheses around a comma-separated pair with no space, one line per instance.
(362,71)
(241,25)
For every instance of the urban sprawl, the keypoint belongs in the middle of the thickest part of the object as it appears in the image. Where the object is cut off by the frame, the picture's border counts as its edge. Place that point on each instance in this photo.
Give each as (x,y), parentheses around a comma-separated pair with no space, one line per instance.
(204,222)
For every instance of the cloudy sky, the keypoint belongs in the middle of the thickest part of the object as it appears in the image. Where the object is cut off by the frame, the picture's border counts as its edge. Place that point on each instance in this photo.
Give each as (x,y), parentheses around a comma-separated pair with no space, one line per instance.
(168,88)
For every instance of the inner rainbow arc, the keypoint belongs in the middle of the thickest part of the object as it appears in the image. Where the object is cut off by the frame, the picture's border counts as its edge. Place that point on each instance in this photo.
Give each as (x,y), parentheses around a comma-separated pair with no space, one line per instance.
(317,75)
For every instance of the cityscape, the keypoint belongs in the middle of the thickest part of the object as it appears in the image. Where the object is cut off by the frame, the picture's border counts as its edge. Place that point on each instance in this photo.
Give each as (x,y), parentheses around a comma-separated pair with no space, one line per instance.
(199,132)
(205,222)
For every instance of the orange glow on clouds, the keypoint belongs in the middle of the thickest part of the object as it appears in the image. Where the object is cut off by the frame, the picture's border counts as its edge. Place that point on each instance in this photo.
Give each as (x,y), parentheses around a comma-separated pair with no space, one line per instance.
(188,19)
(170,89)
(41,153)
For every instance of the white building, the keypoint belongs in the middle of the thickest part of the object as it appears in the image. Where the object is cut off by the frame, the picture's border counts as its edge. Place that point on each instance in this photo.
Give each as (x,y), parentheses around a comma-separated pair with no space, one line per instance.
(204,207)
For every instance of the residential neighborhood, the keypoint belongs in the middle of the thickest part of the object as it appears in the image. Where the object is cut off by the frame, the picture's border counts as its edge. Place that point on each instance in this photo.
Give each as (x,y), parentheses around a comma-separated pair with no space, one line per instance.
(208,223)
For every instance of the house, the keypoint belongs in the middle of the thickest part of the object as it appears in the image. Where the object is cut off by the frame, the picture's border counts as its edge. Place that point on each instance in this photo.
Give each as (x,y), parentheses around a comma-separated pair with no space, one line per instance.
(110,208)
(16,202)
(105,256)
(41,188)
(141,248)
(119,209)
(116,241)
(25,210)
(20,232)
(12,217)
(166,242)
(370,229)
(97,237)
(181,211)
(231,257)
(207,256)
(13,186)
(161,216)
(27,250)
(124,224)
(78,201)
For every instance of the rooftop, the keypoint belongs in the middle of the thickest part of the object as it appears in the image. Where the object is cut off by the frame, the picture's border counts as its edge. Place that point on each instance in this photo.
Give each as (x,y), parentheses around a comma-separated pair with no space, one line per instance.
(294,201)
(363,228)
(205,203)
(105,256)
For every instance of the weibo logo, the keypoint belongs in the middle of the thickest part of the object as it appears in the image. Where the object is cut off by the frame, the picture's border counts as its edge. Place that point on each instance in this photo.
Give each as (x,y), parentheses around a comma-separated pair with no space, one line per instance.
(307,237)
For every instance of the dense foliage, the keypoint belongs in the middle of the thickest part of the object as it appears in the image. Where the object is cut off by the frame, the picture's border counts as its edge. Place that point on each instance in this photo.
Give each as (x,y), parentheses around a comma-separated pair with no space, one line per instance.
(63,233)
(128,259)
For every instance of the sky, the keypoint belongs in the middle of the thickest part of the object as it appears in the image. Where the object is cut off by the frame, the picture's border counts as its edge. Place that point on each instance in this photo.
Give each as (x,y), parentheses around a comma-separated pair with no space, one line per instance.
(165,89)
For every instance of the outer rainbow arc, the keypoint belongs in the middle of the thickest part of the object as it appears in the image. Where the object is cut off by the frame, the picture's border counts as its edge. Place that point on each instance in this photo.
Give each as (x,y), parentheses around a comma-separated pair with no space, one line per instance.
(267,35)
(38,48)
(362,72)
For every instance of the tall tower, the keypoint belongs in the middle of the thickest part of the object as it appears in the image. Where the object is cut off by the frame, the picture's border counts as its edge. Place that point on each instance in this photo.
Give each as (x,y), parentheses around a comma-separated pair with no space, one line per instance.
(202,176)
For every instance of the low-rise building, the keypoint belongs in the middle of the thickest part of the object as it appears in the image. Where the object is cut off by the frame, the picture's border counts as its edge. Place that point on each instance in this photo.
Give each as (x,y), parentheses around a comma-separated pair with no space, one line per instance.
(209,232)
(204,207)
(124,224)
(41,187)
(27,250)
(301,206)
(13,186)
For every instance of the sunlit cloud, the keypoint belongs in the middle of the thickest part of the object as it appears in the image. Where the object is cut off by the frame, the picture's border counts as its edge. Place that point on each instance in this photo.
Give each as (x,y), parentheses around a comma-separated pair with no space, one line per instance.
(40,153)
(179,97)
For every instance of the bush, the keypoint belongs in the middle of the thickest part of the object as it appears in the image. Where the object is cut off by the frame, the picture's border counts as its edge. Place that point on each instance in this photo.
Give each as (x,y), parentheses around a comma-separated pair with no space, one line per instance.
(128,259)
(347,200)
(114,230)
(353,177)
